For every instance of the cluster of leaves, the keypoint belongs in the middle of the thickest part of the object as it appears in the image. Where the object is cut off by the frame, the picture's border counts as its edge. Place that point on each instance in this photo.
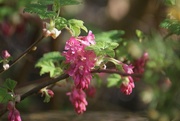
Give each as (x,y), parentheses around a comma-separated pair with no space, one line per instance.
(50,9)
(74,25)
(47,8)
(106,43)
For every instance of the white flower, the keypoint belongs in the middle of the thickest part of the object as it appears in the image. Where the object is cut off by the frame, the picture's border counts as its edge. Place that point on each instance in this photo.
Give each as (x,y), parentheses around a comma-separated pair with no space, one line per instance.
(50,31)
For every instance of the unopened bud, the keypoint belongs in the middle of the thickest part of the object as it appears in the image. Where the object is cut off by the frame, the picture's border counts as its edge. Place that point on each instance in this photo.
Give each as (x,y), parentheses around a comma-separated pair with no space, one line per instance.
(6,66)
(5,54)
(50,92)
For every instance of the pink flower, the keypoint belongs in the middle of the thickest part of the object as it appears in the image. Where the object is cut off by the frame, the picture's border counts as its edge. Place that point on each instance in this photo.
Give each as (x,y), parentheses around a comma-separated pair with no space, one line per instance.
(14,114)
(78,99)
(127,86)
(128,82)
(5,54)
(81,61)
(50,92)
(88,40)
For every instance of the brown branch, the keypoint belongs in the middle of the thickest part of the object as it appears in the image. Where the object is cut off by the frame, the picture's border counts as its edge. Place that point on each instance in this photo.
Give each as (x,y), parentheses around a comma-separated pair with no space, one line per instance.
(42,85)
(37,88)
(167,36)
(114,71)
(64,76)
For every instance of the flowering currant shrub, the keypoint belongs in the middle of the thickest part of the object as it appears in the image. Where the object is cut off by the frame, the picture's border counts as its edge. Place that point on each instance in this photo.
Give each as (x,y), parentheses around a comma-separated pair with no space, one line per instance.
(87,55)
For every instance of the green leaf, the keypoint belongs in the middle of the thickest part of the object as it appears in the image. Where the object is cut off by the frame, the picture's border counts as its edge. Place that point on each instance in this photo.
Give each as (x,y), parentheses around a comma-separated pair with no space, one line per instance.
(113,80)
(49,63)
(40,7)
(139,33)
(68,2)
(75,29)
(47,98)
(103,48)
(60,23)
(46,2)
(170,2)
(110,52)
(76,26)
(4,95)
(172,25)
(52,56)
(9,84)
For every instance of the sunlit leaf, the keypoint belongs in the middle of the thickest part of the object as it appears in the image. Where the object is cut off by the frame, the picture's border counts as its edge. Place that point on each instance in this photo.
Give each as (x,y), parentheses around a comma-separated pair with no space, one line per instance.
(76,26)
(49,64)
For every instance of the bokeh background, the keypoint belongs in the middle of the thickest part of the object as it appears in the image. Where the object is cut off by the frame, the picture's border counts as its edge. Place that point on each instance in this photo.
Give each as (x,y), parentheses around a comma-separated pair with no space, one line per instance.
(156,96)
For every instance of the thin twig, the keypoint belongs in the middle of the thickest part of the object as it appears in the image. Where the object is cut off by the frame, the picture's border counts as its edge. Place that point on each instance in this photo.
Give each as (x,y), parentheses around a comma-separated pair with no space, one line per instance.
(42,85)
(115,71)
(37,88)
(23,54)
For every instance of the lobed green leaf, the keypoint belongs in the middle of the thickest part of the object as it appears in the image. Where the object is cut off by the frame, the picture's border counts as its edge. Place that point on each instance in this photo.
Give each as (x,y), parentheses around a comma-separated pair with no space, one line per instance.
(49,63)
(76,26)
(103,48)
(9,84)
(4,95)
(60,23)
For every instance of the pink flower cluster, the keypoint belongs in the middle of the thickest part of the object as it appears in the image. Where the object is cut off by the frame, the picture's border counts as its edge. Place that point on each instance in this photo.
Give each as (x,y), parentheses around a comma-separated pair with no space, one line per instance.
(78,99)
(128,84)
(81,61)
(14,114)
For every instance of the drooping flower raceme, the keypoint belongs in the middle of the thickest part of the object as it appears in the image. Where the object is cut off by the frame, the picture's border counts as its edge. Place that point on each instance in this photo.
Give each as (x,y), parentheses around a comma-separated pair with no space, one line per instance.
(14,114)
(128,82)
(81,61)
(78,99)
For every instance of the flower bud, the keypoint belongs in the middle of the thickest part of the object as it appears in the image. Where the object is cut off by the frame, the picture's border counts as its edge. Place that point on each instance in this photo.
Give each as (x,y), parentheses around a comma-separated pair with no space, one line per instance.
(6,66)
(50,92)
(5,54)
